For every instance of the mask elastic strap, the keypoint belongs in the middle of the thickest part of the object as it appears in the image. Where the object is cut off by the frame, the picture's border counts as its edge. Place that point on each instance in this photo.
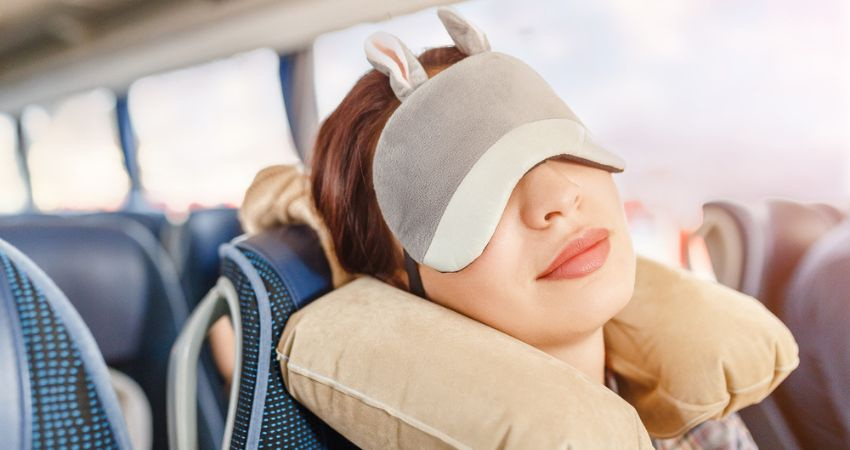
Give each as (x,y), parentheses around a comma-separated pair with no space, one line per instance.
(412,268)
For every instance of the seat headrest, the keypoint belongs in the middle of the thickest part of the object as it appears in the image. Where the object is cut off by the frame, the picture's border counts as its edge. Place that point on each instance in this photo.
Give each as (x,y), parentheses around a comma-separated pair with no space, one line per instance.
(792,229)
(200,236)
(755,246)
(154,221)
(815,398)
(732,233)
(296,255)
(54,377)
(103,270)
(274,274)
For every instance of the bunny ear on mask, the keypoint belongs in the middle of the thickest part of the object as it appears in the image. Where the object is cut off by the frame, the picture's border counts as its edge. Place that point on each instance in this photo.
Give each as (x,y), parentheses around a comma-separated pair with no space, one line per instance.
(467,37)
(391,57)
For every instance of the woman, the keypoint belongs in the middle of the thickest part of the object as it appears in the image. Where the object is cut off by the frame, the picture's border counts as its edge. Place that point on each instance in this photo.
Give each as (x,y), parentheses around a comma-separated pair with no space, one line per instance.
(514,284)
(561,208)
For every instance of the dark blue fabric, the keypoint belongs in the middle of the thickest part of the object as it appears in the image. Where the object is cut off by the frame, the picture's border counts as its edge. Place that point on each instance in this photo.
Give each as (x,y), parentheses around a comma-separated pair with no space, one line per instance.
(103,272)
(153,221)
(283,423)
(297,258)
(65,397)
(113,271)
(200,236)
(290,265)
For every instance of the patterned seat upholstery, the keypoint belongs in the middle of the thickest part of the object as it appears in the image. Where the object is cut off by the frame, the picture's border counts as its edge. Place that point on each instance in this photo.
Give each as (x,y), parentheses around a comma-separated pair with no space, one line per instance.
(56,390)
(268,276)
(125,288)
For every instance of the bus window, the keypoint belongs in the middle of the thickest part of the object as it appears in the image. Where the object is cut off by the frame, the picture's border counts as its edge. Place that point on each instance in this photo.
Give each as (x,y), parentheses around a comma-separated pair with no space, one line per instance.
(74,158)
(14,198)
(204,132)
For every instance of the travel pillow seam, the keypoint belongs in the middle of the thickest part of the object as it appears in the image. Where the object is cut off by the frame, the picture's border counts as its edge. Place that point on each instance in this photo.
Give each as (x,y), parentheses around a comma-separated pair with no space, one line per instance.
(697,406)
(359,396)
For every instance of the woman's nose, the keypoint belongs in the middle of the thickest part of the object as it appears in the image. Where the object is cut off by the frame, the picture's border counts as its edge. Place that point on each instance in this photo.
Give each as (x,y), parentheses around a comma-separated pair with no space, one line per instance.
(548,195)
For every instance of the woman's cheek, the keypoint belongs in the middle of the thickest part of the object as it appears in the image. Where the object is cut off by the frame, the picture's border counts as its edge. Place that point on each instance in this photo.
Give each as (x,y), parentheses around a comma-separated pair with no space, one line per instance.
(625,269)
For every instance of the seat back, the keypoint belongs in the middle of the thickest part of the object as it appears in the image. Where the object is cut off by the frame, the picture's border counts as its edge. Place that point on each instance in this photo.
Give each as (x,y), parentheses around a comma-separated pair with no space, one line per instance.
(265,278)
(127,291)
(56,388)
(754,248)
(198,240)
(153,221)
(732,232)
(792,229)
(816,396)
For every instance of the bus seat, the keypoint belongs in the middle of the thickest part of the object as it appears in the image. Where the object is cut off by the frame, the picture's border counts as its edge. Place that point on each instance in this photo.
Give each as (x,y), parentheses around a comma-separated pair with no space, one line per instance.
(791,230)
(816,396)
(265,278)
(56,387)
(754,248)
(127,291)
(731,232)
(102,271)
(154,221)
(197,248)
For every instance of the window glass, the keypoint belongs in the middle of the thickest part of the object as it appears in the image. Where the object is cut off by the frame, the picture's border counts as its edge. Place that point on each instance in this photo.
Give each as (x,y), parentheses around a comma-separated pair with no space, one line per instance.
(704,100)
(73,153)
(205,131)
(12,185)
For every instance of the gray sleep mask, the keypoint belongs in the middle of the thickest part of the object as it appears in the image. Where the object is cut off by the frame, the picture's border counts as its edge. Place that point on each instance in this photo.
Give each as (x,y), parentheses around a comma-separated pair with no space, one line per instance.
(450,155)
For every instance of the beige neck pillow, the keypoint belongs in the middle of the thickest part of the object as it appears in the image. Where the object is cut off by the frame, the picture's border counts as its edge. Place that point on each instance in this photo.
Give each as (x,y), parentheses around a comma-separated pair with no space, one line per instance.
(388,369)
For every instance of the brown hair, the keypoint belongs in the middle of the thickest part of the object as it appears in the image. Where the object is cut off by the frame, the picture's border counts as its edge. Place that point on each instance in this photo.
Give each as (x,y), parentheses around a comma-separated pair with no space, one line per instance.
(341,172)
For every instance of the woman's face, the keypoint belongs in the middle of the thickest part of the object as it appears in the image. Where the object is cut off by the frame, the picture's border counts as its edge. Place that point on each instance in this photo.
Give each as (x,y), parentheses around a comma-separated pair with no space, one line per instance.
(550,206)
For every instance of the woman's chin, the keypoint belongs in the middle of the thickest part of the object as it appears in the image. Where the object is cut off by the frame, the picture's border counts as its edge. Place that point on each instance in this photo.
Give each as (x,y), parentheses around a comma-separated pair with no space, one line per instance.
(590,304)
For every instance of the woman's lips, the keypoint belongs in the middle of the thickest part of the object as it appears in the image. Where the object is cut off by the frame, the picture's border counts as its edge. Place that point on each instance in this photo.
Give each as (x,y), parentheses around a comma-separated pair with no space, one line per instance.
(580,256)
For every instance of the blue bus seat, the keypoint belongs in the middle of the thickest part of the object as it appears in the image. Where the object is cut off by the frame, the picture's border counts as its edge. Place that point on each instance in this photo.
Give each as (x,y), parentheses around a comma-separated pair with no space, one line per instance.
(127,291)
(154,221)
(265,278)
(197,244)
(56,387)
